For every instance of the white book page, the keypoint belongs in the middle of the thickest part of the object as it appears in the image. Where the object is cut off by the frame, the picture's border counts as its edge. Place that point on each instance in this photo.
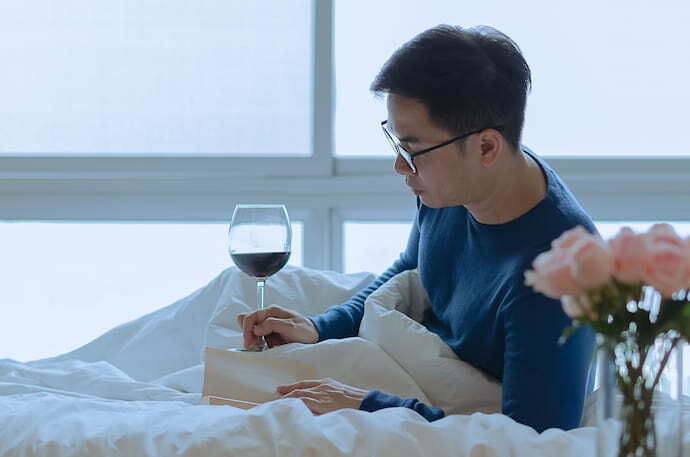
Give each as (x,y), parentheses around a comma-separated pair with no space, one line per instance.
(250,376)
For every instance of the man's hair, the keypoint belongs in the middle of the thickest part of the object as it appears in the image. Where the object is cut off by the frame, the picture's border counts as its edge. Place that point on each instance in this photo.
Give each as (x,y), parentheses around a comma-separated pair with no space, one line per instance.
(468,78)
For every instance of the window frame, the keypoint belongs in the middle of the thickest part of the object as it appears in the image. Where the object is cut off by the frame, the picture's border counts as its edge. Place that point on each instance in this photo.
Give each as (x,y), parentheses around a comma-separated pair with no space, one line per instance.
(324,189)
(38,165)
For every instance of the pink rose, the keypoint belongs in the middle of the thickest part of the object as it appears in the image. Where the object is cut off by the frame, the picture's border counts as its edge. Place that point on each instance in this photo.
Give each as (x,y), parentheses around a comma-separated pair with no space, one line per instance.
(664,230)
(569,237)
(577,306)
(593,262)
(552,274)
(667,265)
(578,261)
(629,252)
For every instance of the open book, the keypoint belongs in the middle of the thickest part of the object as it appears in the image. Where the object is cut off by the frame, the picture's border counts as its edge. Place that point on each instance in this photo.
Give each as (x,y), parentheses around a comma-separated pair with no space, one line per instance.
(246,379)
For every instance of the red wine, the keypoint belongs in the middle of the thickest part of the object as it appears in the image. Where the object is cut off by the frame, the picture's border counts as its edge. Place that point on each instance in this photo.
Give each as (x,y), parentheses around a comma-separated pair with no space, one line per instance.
(261,264)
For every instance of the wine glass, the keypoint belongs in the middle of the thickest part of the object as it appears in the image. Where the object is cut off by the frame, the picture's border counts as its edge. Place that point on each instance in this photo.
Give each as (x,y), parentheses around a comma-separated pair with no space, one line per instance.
(259,244)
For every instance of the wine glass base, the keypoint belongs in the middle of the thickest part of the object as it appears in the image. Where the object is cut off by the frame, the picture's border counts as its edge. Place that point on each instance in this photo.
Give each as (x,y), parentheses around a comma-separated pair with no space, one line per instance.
(260,346)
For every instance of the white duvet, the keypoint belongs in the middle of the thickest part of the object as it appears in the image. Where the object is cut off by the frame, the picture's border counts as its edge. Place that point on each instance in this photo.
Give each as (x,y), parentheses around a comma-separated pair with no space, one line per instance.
(135,391)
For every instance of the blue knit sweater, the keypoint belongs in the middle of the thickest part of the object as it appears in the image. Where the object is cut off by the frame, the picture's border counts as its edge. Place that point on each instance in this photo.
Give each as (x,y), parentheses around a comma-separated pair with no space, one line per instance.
(473,275)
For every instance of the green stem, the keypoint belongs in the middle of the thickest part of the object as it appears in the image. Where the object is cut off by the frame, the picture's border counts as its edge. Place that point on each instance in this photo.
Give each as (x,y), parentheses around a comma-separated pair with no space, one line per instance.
(638,436)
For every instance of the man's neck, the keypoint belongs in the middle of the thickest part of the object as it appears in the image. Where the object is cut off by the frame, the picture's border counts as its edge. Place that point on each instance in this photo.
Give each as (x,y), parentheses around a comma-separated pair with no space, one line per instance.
(518,186)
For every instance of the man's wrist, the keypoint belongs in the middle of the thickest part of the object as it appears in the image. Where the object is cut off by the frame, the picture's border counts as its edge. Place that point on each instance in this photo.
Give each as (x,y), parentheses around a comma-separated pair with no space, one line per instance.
(315,329)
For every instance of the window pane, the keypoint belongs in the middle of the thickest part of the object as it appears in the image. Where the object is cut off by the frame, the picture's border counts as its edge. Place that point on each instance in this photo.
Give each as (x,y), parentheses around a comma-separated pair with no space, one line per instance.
(154,77)
(373,246)
(601,86)
(67,283)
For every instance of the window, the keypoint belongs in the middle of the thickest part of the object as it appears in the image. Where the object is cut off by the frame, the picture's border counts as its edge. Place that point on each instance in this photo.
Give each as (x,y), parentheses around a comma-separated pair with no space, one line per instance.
(164,101)
(602,82)
(373,246)
(152,78)
(66,283)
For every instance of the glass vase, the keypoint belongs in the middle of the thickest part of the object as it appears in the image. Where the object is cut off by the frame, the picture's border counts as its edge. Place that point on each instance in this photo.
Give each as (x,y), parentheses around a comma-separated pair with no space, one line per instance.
(622,377)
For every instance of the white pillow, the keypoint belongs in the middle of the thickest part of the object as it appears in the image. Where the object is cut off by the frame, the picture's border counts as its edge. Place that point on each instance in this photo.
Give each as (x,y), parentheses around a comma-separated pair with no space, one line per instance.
(165,341)
(450,383)
(304,290)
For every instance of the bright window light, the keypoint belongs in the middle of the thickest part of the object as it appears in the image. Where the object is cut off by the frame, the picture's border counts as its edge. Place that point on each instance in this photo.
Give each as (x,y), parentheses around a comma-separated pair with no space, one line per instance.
(373,246)
(218,77)
(608,77)
(64,284)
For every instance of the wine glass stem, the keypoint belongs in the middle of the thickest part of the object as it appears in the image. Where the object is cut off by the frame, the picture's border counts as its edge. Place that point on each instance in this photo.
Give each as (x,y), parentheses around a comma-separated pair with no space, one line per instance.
(260,284)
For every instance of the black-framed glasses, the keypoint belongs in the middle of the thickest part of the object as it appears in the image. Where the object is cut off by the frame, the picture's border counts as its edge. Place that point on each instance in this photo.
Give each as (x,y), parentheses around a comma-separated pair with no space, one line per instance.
(409,156)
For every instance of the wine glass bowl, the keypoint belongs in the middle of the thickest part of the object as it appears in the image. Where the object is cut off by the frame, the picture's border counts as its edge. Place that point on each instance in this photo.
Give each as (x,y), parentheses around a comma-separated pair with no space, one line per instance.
(259,239)
(260,264)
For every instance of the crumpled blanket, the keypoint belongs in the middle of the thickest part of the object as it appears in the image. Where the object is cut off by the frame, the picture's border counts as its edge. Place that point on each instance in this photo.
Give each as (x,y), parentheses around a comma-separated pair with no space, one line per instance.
(135,391)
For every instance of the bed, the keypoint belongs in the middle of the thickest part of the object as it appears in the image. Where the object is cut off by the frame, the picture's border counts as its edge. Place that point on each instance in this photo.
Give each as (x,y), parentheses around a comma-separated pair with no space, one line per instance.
(136,390)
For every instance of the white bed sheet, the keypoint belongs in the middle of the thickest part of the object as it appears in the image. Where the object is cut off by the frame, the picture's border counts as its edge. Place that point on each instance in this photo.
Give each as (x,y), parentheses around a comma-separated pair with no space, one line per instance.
(134,392)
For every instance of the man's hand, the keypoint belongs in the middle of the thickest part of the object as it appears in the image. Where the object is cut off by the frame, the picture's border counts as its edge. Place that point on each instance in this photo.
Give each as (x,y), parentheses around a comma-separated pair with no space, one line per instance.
(324,395)
(278,325)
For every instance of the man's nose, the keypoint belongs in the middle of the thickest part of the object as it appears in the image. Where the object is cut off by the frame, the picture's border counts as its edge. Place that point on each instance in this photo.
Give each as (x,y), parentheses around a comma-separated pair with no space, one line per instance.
(401,166)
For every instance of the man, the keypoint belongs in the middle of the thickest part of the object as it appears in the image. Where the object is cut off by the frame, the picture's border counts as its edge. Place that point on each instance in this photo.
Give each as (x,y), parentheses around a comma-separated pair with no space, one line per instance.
(486,208)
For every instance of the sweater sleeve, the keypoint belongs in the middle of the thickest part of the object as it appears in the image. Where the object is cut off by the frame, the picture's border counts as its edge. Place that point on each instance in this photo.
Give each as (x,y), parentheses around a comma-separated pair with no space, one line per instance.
(342,321)
(375,400)
(544,383)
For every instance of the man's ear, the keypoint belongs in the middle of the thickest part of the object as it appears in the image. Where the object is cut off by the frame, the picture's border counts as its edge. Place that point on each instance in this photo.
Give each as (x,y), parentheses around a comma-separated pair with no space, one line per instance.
(491,144)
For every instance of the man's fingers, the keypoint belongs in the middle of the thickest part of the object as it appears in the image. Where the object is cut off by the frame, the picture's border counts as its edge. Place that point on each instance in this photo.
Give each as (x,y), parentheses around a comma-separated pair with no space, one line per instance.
(249,324)
(275,339)
(273,311)
(273,325)
(248,330)
(314,405)
(303,393)
(306,384)
(279,311)
(273,319)
(311,398)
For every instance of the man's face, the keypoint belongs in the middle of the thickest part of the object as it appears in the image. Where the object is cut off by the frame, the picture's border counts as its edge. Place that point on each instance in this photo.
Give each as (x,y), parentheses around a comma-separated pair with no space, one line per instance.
(445,176)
